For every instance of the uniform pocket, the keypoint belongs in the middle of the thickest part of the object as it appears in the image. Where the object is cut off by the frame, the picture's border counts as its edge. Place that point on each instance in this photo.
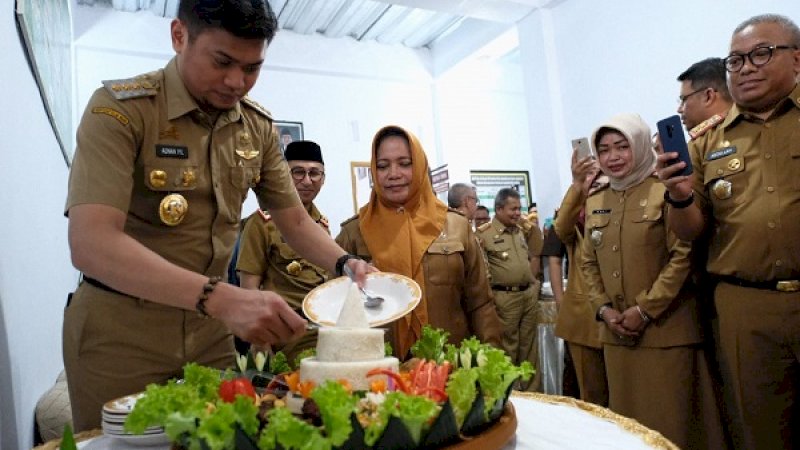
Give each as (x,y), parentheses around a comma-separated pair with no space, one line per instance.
(648,227)
(444,263)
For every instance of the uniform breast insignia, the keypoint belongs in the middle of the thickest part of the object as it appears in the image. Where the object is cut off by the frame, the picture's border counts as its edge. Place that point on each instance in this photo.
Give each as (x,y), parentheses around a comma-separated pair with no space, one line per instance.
(264,216)
(172,209)
(723,189)
(247,153)
(158,178)
(597,237)
(129,88)
(170,132)
(294,268)
(121,118)
(504,255)
(188,178)
(734,164)
(706,125)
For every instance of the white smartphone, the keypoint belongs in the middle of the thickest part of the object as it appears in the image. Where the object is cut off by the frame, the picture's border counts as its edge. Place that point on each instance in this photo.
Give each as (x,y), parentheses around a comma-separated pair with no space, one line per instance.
(583,147)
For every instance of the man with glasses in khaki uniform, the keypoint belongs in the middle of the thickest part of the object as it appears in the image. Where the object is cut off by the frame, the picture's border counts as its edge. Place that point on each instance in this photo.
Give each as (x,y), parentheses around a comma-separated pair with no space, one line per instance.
(266,261)
(745,192)
(509,249)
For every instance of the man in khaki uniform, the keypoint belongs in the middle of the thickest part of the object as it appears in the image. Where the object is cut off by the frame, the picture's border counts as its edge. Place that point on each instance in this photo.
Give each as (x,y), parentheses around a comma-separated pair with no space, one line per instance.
(704,99)
(745,192)
(508,253)
(162,165)
(463,198)
(267,262)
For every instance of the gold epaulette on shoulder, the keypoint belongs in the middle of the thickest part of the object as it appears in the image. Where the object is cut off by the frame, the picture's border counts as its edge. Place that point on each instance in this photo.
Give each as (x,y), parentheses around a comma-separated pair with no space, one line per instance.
(264,216)
(349,220)
(257,107)
(141,86)
(484,227)
(706,125)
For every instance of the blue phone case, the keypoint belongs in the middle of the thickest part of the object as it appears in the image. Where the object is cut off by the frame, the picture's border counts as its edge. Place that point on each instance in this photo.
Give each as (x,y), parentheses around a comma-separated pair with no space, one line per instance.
(670,131)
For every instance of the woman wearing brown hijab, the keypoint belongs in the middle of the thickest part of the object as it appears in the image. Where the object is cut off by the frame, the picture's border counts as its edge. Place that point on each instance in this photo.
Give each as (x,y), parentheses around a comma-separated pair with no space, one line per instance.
(405,229)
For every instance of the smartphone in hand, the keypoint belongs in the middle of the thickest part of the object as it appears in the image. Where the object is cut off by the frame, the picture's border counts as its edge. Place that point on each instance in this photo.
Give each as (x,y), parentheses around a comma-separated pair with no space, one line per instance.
(583,147)
(670,131)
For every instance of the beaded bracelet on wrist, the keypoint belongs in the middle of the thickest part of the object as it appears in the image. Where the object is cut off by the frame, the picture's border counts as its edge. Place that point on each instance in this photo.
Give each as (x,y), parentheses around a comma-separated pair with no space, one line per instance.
(208,288)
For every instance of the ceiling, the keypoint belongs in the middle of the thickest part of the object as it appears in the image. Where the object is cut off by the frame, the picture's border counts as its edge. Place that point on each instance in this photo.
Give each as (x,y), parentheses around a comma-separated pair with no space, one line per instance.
(412,23)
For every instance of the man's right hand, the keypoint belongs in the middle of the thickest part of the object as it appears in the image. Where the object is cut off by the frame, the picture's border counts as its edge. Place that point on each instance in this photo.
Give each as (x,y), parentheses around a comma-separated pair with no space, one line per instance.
(260,317)
(679,187)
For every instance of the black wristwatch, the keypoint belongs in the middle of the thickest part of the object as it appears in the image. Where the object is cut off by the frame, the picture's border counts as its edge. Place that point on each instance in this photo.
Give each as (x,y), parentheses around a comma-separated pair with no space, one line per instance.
(679,204)
(339,268)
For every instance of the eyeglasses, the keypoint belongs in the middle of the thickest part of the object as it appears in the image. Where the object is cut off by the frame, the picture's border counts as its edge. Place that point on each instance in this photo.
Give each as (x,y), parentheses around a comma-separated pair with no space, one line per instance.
(682,98)
(758,56)
(299,174)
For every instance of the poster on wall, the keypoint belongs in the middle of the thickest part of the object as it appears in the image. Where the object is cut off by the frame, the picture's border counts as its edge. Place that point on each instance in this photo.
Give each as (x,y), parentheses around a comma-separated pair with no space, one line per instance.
(288,132)
(46,29)
(489,182)
(361,180)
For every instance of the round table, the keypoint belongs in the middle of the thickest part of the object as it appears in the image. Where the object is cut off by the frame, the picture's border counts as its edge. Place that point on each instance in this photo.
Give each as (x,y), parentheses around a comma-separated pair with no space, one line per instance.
(545,422)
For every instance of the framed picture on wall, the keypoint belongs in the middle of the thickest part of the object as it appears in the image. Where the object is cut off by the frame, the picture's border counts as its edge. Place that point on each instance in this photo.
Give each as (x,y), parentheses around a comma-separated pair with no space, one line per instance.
(46,28)
(288,132)
(489,182)
(361,180)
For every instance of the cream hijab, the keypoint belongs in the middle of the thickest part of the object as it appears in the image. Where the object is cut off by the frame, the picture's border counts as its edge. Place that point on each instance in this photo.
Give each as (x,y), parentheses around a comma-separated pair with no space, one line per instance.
(637,133)
(397,238)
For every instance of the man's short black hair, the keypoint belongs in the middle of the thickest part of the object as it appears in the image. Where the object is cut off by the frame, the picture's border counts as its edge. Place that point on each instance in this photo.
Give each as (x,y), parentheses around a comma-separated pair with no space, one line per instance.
(709,72)
(248,19)
(483,208)
(503,195)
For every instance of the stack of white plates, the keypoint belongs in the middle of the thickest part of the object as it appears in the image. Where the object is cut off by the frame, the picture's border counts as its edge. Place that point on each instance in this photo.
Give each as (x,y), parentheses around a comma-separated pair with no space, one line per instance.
(114,414)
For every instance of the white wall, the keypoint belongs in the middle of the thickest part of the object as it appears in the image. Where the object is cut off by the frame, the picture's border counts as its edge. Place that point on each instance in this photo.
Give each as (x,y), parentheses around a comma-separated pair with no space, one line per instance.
(35,270)
(617,56)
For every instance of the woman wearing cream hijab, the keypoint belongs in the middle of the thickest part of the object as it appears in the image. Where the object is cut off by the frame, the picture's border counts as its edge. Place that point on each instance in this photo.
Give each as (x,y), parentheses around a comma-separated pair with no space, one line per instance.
(405,229)
(639,285)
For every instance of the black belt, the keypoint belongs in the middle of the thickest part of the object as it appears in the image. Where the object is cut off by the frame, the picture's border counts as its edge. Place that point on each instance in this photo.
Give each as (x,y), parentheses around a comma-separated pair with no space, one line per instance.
(518,288)
(774,285)
(101,285)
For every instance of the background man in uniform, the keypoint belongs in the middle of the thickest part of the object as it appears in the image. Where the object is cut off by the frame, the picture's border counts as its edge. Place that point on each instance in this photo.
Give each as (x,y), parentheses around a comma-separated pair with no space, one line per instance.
(267,262)
(162,165)
(744,191)
(508,253)
(704,94)
(481,216)
(463,198)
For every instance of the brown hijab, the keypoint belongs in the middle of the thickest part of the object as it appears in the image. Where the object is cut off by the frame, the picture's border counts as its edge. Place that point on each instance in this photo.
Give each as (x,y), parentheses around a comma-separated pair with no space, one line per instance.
(398,237)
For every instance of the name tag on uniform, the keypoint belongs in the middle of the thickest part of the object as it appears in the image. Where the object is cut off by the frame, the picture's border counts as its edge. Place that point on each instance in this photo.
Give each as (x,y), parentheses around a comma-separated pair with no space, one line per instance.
(601,211)
(499,241)
(172,151)
(721,153)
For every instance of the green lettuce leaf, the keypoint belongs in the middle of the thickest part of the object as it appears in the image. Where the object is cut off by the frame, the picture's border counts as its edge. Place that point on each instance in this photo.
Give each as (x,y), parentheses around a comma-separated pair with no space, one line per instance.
(497,374)
(431,345)
(336,405)
(279,364)
(462,391)
(307,353)
(416,412)
(291,433)
(218,429)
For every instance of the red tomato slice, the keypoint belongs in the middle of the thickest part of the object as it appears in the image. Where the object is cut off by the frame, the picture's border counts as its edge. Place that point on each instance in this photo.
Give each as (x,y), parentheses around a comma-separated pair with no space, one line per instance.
(229,389)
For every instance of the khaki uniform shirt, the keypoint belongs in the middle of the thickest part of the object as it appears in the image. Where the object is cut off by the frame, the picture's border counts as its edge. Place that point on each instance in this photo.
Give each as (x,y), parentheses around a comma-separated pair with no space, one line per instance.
(264,252)
(131,153)
(576,318)
(457,290)
(508,253)
(747,184)
(631,258)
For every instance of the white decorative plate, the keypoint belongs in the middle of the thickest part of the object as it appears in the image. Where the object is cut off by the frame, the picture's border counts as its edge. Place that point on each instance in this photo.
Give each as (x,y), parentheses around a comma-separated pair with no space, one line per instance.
(122,405)
(401,295)
(160,439)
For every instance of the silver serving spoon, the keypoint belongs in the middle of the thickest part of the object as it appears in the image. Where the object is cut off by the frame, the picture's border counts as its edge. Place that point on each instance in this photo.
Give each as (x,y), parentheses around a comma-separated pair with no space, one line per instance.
(370,299)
